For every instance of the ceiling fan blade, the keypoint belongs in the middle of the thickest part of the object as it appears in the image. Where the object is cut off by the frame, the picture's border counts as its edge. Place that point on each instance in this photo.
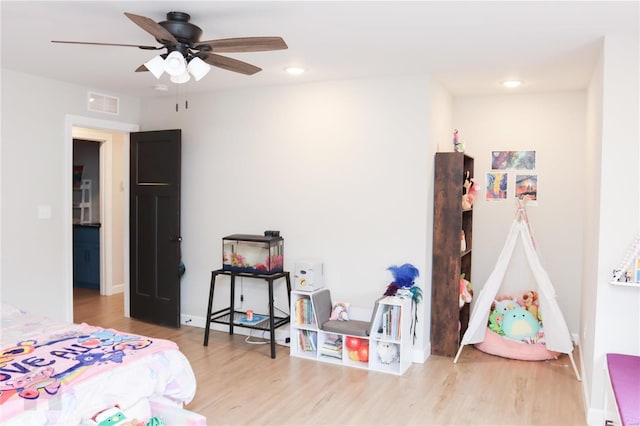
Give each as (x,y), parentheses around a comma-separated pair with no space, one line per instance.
(153,28)
(244,44)
(142,68)
(108,44)
(230,64)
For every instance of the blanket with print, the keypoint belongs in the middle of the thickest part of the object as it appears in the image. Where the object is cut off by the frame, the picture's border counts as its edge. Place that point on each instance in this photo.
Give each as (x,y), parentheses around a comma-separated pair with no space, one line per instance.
(43,367)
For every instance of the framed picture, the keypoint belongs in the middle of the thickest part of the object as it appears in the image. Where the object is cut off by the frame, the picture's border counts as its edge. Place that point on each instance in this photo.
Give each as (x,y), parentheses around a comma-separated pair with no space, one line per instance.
(496,186)
(527,186)
(513,160)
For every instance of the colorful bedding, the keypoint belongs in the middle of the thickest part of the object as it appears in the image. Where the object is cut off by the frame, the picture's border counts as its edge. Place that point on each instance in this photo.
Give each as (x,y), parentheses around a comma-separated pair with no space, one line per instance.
(54,373)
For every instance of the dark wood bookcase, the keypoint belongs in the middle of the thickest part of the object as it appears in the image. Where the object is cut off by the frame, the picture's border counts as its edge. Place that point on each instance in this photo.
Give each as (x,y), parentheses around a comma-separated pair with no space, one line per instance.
(448,321)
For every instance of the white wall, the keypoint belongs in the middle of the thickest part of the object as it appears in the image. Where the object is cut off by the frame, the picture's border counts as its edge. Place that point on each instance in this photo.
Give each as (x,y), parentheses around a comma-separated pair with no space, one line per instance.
(553,125)
(611,321)
(36,169)
(342,169)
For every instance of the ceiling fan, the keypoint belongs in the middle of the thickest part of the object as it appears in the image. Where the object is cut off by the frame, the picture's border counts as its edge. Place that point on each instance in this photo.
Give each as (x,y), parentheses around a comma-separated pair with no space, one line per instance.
(186,54)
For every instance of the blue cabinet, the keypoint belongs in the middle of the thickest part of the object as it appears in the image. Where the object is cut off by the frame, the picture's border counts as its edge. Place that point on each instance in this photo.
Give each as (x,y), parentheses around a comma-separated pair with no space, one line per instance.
(86,256)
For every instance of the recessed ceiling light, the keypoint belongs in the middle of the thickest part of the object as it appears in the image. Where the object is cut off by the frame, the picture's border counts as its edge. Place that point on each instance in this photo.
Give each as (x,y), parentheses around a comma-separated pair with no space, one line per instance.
(294,70)
(512,83)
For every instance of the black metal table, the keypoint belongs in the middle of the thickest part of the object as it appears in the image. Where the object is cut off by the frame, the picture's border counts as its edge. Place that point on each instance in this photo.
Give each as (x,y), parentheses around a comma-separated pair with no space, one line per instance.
(228,315)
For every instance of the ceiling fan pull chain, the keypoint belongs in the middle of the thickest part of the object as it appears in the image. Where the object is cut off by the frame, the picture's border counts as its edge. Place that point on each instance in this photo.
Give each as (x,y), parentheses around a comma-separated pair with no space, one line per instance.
(177,90)
(186,96)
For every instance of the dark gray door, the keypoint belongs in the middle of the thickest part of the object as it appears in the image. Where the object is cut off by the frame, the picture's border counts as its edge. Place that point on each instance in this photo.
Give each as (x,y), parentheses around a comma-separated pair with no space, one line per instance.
(155,227)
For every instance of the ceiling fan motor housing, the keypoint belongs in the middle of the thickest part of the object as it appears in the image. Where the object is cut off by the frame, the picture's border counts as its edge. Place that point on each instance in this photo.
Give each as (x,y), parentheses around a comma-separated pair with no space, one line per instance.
(178,24)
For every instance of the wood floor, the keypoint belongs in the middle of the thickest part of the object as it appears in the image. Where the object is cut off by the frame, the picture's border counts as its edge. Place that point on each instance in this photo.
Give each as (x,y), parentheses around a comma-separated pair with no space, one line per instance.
(239,384)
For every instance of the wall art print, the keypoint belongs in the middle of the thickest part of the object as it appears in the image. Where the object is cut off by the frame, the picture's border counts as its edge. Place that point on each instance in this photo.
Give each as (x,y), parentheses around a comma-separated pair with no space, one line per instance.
(527,185)
(513,160)
(496,186)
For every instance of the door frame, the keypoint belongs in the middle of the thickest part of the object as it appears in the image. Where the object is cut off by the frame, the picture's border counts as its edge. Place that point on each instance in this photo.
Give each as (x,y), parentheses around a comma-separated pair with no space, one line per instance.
(72,121)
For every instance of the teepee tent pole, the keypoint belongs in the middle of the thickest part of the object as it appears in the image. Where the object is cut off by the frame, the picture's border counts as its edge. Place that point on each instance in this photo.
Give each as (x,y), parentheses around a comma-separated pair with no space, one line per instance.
(455,360)
(575,369)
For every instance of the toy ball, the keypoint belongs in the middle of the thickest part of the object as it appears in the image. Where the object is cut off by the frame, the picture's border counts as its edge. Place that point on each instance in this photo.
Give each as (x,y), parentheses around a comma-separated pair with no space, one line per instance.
(363,353)
(353,355)
(353,343)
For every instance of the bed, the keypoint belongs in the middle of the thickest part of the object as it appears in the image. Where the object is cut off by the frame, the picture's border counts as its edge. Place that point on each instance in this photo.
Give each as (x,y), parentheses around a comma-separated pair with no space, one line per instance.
(58,373)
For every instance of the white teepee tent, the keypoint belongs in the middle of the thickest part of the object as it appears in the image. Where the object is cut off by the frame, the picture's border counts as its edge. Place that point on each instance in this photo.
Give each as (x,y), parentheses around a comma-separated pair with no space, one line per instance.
(510,274)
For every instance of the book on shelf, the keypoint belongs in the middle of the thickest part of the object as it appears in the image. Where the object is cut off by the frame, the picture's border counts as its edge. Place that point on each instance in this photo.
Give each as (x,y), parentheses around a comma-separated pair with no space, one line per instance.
(304,313)
(307,340)
(332,347)
(391,322)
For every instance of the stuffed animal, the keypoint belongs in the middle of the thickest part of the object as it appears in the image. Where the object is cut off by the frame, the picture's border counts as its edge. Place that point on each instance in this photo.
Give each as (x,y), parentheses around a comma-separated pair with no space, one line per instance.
(457,145)
(519,324)
(340,312)
(530,303)
(113,416)
(387,352)
(495,322)
(403,284)
(466,294)
(504,304)
(471,190)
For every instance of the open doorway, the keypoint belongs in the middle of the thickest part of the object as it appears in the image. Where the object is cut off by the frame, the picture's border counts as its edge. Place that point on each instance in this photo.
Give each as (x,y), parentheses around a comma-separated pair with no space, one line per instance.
(98,210)
(112,213)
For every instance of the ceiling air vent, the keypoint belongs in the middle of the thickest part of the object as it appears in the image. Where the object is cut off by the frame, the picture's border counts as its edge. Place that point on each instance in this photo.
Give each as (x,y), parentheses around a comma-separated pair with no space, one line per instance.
(103,103)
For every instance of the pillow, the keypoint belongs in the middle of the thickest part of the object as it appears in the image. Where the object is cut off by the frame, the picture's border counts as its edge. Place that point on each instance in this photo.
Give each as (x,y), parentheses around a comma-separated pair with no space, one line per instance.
(495,344)
(340,312)
(8,310)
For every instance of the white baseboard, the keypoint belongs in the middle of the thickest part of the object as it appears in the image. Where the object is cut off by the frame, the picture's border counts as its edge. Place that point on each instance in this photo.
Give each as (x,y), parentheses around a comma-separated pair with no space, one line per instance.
(595,416)
(420,355)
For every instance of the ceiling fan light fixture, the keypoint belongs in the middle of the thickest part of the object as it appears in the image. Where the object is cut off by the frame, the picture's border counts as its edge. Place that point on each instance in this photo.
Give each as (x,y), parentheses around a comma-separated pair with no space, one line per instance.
(175,64)
(155,65)
(512,84)
(180,78)
(198,68)
(294,70)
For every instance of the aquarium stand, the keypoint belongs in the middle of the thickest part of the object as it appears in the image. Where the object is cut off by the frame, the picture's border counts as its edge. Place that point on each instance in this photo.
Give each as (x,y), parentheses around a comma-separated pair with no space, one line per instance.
(229,315)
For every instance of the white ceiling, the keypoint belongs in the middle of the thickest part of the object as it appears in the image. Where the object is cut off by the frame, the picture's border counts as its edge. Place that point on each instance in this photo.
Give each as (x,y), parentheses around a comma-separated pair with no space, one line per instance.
(469,46)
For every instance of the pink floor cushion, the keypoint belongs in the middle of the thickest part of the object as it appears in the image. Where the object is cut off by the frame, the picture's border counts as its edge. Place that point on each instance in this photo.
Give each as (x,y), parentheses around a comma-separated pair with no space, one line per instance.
(495,344)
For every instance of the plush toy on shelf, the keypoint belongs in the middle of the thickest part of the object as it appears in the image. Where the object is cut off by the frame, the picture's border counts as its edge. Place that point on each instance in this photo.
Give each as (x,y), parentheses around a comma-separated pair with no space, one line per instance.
(387,352)
(466,294)
(471,190)
(457,145)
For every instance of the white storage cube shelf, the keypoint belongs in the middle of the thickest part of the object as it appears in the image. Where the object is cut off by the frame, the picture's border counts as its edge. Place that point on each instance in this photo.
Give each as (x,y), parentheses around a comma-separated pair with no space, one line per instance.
(390,342)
